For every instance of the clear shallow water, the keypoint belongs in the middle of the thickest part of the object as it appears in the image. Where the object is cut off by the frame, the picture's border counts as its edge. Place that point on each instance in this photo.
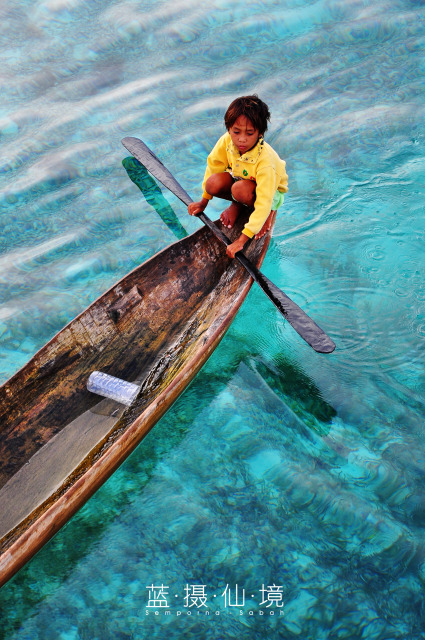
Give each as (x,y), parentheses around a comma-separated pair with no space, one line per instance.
(277,466)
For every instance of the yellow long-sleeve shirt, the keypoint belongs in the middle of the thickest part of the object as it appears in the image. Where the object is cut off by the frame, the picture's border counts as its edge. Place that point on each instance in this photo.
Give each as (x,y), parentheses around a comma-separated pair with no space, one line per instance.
(260,164)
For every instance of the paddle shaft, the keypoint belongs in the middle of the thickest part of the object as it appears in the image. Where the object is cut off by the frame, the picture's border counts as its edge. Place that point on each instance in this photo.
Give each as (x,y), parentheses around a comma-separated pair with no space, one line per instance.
(300,321)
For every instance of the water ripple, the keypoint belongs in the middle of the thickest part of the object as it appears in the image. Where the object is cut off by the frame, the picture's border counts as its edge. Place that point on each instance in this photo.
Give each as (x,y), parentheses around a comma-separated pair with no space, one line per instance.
(20,258)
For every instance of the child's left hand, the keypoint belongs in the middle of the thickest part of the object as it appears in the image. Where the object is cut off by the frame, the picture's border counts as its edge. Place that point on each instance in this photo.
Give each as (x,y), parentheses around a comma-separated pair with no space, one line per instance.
(236,246)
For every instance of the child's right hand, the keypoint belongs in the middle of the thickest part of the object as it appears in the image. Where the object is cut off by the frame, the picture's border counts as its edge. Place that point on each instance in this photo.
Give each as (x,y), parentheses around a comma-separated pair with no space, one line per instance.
(195,208)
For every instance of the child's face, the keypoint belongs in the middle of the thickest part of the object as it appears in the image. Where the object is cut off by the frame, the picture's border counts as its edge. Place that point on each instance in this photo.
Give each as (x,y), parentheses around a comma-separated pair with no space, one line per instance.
(243,134)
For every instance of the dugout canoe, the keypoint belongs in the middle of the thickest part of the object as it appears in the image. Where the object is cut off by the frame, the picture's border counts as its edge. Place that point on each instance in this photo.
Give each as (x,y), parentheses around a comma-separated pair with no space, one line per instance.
(156,327)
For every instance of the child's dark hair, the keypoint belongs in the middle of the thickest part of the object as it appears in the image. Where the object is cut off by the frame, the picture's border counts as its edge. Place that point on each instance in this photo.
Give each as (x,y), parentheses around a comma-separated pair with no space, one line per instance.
(252,108)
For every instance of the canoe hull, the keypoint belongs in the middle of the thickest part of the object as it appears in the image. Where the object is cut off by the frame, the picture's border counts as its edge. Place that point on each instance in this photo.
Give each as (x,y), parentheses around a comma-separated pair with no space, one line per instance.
(189,320)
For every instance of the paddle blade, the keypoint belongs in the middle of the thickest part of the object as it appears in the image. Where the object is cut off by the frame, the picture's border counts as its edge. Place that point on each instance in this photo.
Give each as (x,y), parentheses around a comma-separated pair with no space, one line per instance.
(300,321)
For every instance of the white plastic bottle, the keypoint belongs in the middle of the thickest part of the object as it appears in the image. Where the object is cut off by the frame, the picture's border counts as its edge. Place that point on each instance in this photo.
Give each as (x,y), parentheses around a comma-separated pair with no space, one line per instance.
(113,388)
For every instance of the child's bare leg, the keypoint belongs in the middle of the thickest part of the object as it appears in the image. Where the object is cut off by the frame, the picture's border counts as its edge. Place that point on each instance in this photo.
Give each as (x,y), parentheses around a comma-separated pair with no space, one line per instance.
(220,186)
(243,194)
(266,227)
(243,191)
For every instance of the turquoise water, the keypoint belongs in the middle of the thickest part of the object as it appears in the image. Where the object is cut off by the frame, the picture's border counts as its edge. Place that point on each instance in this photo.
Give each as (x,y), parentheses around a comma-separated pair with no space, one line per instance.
(277,466)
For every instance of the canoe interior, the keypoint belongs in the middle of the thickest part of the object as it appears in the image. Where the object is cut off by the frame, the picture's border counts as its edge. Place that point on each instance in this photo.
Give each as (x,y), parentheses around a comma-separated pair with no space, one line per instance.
(145,329)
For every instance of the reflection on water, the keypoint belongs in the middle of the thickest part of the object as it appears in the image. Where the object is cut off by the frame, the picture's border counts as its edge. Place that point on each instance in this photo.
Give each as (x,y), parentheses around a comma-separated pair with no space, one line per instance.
(153,194)
(277,464)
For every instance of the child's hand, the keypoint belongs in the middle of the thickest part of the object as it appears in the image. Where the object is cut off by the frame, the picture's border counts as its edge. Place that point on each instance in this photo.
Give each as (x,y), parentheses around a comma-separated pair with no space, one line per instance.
(236,246)
(195,208)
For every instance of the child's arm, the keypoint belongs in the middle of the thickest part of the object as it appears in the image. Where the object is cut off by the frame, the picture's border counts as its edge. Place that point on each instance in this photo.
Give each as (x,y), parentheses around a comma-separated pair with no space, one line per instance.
(267,182)
(265,189)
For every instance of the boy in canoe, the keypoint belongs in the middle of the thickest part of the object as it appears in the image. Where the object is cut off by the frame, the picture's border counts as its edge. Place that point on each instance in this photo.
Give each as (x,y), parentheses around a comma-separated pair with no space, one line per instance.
(244,169)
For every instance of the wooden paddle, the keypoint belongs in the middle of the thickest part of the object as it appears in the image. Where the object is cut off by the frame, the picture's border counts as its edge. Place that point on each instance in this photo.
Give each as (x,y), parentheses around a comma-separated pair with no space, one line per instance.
(300,321)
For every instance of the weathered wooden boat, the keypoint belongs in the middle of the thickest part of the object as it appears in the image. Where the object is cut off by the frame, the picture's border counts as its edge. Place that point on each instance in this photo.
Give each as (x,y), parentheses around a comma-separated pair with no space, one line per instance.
(155,327)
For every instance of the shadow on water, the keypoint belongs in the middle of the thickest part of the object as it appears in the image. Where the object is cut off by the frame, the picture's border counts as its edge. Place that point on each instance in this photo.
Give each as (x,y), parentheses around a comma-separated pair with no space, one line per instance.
(153,195)
(297,391)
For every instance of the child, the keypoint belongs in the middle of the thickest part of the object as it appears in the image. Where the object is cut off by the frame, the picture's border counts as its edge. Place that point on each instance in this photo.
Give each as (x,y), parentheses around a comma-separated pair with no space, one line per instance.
(244,169)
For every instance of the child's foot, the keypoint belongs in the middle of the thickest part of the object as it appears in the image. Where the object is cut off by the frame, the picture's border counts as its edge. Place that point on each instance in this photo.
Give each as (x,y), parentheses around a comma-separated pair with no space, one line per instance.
(266,227)
(229,215)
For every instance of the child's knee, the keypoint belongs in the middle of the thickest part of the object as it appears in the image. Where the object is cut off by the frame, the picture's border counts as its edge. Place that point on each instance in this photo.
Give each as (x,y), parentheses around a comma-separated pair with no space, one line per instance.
(243,191)
(218,182)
